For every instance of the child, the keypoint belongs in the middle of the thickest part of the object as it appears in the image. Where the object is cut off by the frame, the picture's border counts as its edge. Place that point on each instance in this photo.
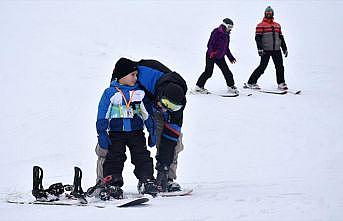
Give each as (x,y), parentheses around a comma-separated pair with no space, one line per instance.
(121,112)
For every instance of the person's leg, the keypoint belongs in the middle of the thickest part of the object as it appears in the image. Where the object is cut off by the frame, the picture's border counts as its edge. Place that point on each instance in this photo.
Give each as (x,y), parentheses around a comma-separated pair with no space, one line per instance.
(144,168)
(101,153)
(115,158)
(173,166)
(140,156)
(278,62)
(226,71)
(207,73)
(260,69)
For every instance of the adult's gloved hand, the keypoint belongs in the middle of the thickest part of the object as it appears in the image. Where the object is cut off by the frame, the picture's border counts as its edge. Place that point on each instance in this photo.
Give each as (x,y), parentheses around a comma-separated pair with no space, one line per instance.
(152,139)
(151,128)
(103,140)
(232,60)
(260,52)
(285,53)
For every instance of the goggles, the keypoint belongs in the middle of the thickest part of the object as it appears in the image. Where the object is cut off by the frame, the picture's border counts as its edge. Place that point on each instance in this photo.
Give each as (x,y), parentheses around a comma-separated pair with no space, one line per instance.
(170,105)
(228,26)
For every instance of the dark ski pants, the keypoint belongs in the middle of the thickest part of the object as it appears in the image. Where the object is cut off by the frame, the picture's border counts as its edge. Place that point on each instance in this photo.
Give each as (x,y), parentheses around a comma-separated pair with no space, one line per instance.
(278,62)
(221,63)
(140,156)
(158,116)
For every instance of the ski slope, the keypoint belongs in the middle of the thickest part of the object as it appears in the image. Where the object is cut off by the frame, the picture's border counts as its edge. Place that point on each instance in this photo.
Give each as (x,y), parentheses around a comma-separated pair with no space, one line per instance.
(263,157)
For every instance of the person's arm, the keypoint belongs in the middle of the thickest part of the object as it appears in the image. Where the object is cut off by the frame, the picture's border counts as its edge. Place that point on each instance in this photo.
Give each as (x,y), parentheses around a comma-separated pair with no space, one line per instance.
(283,44)
(229,54)
(102,122)
(149,121)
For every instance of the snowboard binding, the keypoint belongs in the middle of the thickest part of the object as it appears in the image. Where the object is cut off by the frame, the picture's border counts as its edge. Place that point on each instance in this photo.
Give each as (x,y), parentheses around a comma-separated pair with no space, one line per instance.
(38,191)
(104,190)
(57,189)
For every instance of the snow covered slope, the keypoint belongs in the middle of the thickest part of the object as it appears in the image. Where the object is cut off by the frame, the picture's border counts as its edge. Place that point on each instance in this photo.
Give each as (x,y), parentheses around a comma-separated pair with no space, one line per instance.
(263,157)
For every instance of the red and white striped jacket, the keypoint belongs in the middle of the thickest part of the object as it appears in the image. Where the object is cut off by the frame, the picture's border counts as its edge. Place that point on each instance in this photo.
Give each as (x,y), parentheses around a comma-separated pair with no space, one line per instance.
(269,36)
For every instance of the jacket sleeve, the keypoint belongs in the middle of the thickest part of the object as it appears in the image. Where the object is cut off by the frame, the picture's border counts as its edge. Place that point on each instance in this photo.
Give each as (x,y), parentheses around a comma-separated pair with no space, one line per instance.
(258,37)
(147,112)
(228,52)
(102,119)
(283,42)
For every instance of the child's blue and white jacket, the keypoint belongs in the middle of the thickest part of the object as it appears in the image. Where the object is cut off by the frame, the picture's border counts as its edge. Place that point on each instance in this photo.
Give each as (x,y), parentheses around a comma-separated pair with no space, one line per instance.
(123,108)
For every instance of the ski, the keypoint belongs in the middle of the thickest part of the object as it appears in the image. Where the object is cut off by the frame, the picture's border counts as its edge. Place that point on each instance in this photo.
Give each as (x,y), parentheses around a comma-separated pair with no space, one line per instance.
(226,95)
(277,92)
(295,92)
(193,92)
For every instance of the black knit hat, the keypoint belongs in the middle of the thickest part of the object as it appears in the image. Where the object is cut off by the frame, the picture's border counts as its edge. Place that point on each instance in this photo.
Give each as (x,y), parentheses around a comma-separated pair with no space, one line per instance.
(123,67)
(174,93)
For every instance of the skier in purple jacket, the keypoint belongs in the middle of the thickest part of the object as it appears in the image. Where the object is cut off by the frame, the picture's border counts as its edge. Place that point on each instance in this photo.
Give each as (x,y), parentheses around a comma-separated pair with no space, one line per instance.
(217,48)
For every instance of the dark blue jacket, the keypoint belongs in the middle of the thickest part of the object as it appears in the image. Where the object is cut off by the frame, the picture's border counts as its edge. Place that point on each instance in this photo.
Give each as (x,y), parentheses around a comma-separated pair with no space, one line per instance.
(153,76)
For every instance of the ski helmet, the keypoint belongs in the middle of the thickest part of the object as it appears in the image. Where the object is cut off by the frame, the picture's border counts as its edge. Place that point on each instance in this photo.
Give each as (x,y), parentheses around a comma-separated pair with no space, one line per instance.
(269,12)
(228,23)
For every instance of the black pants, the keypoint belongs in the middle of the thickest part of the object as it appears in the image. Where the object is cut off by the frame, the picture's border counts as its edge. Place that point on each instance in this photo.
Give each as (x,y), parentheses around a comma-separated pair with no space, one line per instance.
(140,156)
(278,62)
(221,63)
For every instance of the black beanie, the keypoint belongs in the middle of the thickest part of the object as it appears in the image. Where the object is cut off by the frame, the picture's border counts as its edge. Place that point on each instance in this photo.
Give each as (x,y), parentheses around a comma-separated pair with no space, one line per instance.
(123,67)
(174,93)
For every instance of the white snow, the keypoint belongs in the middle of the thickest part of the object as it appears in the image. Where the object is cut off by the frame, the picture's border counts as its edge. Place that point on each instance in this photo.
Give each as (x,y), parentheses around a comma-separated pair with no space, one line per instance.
(264,157)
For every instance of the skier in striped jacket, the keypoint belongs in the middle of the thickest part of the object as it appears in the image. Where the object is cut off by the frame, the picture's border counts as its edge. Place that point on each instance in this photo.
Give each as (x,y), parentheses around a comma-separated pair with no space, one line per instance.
(269,40)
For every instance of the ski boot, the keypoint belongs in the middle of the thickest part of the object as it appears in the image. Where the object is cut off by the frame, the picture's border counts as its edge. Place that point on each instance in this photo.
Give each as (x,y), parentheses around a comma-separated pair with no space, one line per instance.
(149,186)
(173,186)
(105,188)
(252,86)
(232,89)
(162,177)
(111,191)
(201,90)
(283,87)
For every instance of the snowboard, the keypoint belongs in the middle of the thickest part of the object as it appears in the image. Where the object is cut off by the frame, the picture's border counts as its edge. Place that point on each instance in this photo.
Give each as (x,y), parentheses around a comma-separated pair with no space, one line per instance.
(184,192)
(129,202)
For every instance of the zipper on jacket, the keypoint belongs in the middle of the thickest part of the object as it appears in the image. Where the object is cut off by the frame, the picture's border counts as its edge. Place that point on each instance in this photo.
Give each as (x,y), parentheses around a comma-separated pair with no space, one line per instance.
(273,30)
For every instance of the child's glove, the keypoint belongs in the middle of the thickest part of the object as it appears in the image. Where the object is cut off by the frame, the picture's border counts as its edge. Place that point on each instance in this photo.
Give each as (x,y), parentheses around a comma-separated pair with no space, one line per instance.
(103,140)
(260,52)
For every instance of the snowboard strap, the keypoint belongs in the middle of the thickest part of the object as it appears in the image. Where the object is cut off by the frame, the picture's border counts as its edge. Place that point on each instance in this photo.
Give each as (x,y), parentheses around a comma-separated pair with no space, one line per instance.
(38,191)
(77,190)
